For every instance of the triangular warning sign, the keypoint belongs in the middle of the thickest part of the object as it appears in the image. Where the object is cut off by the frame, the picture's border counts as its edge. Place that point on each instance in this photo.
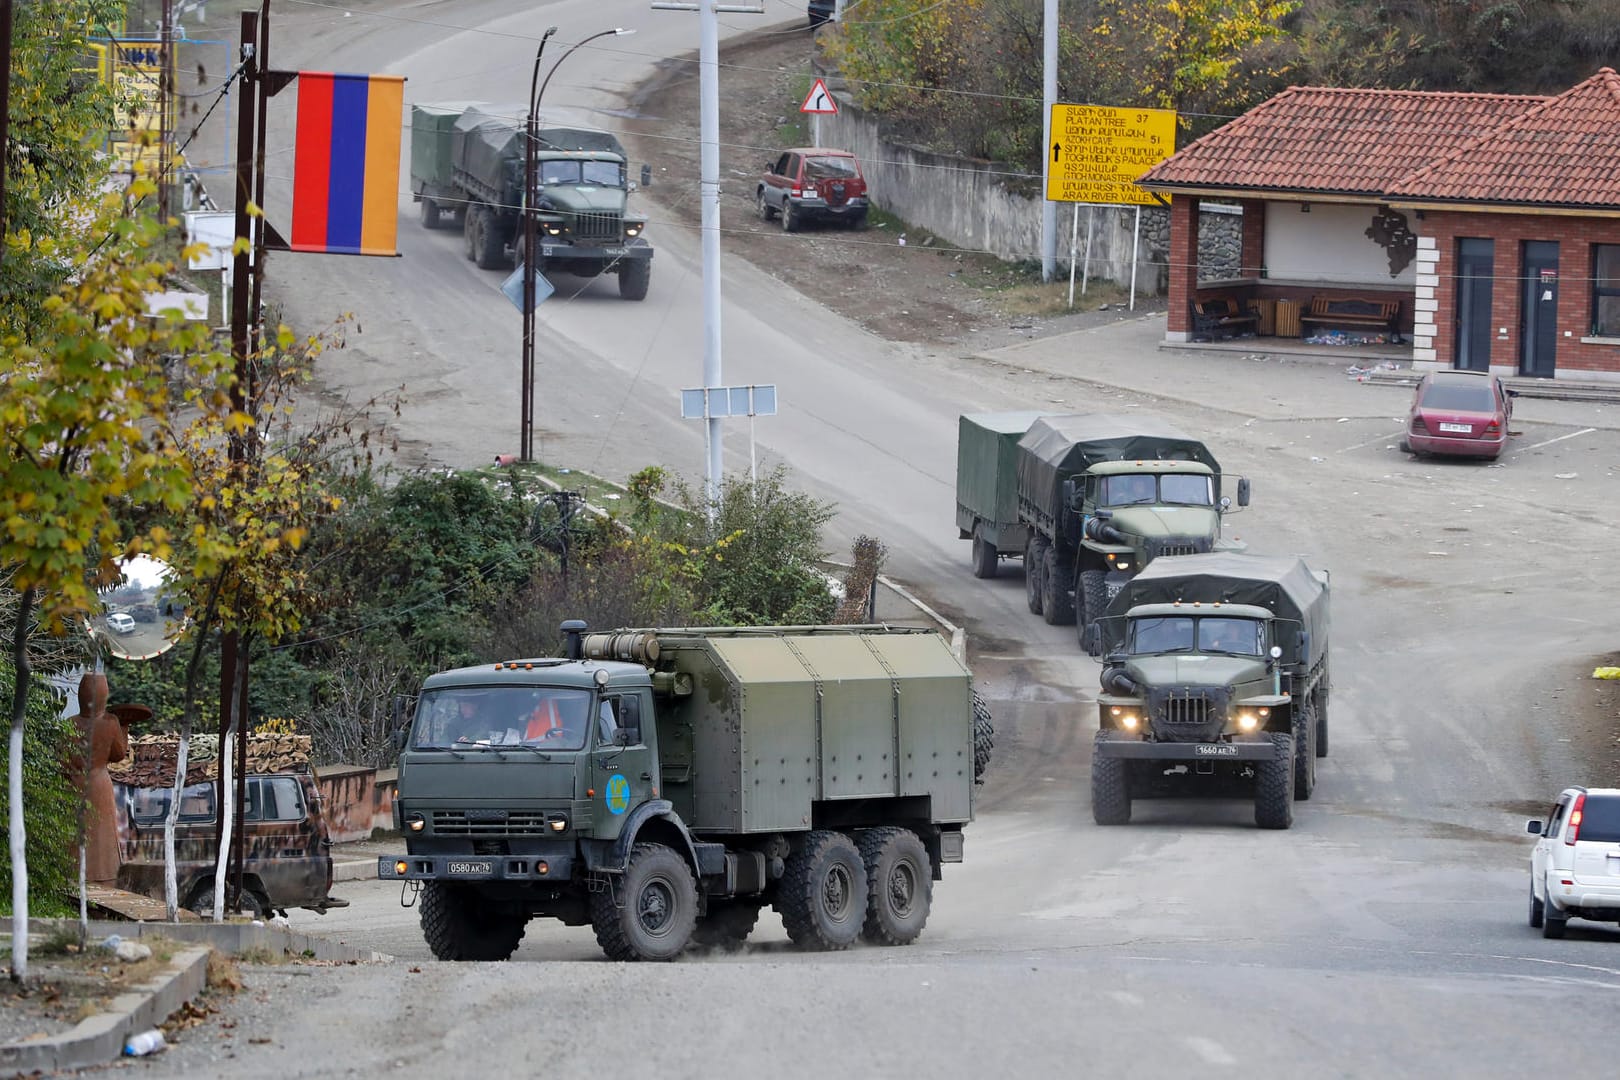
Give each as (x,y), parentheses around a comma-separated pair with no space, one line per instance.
(818,100)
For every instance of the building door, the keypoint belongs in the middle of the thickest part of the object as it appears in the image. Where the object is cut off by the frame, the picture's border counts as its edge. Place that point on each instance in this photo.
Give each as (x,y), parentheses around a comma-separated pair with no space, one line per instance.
(1475,259)
(1538,325)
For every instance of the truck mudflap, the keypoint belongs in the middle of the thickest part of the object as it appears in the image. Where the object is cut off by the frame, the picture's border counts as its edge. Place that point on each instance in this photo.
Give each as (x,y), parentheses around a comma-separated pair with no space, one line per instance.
(1169,751)
(546,865)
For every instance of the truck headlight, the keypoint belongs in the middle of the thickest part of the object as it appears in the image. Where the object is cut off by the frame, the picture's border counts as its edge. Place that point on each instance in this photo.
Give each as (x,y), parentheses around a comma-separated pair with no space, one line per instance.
(416,823)
(553,228)
(1248,722)
(1128,721)
(633,228)
(557,823)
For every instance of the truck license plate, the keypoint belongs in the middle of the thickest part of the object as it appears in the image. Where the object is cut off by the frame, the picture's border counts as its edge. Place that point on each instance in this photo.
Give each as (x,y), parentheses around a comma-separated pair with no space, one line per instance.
(1215,750)
(470,868)
(1461,429)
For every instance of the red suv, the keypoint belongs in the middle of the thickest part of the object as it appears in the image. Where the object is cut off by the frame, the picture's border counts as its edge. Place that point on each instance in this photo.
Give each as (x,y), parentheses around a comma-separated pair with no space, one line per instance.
(813,184)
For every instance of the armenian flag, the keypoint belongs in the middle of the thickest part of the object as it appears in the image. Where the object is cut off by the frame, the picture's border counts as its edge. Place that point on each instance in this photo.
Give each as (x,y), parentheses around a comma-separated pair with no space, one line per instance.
(346,168)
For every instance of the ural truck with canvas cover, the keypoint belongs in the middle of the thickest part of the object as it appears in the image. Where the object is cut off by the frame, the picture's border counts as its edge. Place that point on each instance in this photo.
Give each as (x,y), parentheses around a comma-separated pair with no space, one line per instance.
(1214,679)
(663,786)
(1097,497)
(467,160)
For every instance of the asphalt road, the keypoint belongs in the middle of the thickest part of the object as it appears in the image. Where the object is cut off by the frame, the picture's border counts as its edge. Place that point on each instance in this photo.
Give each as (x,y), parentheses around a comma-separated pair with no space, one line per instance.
(1384,935)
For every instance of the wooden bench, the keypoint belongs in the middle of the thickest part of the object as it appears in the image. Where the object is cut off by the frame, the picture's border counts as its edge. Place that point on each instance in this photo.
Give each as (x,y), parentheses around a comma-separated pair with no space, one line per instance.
(1222,316)
(1354,311)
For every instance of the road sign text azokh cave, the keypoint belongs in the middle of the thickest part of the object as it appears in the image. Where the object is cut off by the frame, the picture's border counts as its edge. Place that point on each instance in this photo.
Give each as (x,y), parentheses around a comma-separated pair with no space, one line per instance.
(1097,153)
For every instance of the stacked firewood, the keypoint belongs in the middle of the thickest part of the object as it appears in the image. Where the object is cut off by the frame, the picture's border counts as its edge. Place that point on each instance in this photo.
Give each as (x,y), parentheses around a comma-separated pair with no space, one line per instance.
(152,758)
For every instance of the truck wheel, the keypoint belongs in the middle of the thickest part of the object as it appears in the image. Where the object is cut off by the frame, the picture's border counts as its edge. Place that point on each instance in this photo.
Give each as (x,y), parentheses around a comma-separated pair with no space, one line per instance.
(471,218)
(634,277)
(765,211)
(901,883)
(1094,594)
(1110,786)
(458,926)
(430,213)
(985,560)
(727,925)
(1057,589)
(1274,785)
(984,737)
(1034,563)
(651,911)
(822,895)
(1304,755)
(1321,718)
(489,249)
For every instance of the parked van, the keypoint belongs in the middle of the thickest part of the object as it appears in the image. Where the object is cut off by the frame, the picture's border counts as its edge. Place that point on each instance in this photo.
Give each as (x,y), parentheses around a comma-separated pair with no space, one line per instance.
(287,861)
(121,623)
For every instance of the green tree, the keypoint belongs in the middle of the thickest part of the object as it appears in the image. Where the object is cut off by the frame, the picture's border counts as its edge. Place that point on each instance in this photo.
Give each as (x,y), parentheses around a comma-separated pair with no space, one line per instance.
(84,407)
(1181,54)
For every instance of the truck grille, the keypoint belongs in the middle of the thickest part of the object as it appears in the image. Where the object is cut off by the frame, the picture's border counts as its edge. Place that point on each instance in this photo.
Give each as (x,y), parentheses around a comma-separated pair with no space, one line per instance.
(1187,714)
(486,823)
(1177,545)
(1186,710)
(599,227)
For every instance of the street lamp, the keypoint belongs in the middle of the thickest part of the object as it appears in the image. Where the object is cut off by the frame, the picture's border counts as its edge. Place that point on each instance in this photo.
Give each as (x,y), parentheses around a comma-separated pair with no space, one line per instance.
(531,145)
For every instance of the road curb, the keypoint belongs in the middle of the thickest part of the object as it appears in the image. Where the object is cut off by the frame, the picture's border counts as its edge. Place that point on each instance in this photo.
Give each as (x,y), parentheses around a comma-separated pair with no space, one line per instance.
(100,1038)
(355,870)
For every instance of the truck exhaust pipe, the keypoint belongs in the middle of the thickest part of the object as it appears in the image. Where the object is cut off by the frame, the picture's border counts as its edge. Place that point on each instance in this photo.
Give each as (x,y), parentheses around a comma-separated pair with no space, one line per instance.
(573,630)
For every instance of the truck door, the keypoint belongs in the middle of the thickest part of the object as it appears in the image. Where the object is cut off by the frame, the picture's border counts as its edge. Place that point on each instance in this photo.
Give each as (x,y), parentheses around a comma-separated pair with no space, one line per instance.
(624,773)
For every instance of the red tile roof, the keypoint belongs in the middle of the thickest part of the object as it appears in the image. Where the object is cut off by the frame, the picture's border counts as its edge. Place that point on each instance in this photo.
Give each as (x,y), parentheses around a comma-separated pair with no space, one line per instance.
(1563,152)
(1326,140)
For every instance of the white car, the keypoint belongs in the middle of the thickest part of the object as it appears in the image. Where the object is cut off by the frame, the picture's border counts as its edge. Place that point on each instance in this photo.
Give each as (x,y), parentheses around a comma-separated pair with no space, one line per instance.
(1575,865)
(120,623)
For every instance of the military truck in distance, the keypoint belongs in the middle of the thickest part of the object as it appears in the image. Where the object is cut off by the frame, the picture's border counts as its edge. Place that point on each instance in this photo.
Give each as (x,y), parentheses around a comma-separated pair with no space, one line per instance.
(987,487)
(1098,497)
(467,161)
(1214,679)
(695,776)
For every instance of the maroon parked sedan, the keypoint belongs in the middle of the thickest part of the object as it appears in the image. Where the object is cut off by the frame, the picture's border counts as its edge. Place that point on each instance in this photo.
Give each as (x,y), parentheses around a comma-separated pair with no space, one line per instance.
(1464,413)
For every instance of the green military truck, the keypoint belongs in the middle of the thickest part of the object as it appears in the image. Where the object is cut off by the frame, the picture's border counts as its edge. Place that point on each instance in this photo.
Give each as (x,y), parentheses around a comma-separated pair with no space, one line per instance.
(467,163)
(1214,681)
(1091,497)
(663,786)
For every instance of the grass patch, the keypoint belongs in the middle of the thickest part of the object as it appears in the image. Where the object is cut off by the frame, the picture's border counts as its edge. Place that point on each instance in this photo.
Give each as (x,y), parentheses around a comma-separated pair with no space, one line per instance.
(1018,290)
(261,956)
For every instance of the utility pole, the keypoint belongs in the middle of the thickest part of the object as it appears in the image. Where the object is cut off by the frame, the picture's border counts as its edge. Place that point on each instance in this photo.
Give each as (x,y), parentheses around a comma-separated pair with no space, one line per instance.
(5,110)
(165,107)
(709,199)
(1049,83)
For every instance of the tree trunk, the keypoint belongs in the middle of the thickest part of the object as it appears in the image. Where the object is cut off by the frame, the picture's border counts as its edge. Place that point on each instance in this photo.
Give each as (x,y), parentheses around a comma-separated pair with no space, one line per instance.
(222,857)
(171,899)
(14,788)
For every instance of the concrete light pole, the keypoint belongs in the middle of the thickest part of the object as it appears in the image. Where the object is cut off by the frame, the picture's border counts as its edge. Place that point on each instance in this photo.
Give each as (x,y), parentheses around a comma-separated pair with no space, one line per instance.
(1049,82)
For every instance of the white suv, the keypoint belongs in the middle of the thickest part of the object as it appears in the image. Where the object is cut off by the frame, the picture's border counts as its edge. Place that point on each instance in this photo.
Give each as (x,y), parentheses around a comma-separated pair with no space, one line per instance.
(1575,865)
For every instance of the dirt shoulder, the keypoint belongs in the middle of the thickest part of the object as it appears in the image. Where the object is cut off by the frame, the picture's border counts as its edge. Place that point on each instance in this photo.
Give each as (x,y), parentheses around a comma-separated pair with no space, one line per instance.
(924,291)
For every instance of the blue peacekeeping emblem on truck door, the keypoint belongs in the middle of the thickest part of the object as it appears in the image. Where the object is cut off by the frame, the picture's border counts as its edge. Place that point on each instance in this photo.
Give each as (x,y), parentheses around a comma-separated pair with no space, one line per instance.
(618,794)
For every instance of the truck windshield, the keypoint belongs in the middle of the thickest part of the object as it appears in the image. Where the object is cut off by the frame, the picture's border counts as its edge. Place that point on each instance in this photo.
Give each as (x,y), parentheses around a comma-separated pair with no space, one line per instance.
(1179,633)
(484,717)
(1137,489)
(1245,637)
(1162,635)
(1187,490)
(595,173)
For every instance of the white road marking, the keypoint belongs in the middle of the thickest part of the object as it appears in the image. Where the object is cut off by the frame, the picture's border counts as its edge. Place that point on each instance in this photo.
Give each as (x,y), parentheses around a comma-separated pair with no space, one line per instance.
(1369,442)
(1210,1050)
(1561,438)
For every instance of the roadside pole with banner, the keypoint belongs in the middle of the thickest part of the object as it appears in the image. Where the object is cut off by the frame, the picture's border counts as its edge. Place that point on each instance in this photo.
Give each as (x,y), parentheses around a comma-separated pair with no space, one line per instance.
(1096,155)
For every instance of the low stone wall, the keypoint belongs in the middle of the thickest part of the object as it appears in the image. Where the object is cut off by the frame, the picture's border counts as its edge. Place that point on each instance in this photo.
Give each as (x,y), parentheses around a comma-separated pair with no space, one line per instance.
(968,202)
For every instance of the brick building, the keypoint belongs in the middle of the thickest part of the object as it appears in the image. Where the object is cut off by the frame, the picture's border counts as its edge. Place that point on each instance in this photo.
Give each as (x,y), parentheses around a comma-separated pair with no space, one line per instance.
(1493,220)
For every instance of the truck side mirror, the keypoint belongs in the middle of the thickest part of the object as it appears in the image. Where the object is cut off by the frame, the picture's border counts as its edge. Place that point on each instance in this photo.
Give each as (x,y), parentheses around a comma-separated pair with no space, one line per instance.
(646,176)
(1093,640)
(1243,491)
(1304,645)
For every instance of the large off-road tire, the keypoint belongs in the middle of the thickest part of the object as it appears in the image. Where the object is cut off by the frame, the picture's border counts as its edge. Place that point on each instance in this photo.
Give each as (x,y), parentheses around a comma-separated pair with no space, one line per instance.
(1110,786)
(984,737)
(1057,589)
(489,247)
(650,911)
(458,926)
(471,218)
(634,277)
(985,559)
(727,925)
(1274,785)
(1034,566)
(430,213)
(822,895)
(1304,755)
(1321,717)
(1553,922)
(790,217)
(1537,911)
(900,886)
(1094,596)
(766,211)
(202,901)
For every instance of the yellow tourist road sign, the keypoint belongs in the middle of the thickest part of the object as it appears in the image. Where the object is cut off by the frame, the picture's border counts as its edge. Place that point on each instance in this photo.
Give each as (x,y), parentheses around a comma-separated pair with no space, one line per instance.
(1097,153)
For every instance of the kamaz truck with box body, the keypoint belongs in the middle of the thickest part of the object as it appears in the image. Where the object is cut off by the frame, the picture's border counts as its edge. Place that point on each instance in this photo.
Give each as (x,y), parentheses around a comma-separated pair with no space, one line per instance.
(1092,498)
(1214,681)
(467,161)
(663,786)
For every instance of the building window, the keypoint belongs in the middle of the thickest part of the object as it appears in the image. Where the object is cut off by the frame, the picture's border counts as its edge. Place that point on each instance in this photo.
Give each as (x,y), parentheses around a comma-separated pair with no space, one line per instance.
(1606,290)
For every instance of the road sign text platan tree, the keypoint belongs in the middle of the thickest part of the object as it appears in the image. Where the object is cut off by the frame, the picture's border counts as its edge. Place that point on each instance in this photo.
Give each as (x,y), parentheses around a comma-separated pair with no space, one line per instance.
(1098,153)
